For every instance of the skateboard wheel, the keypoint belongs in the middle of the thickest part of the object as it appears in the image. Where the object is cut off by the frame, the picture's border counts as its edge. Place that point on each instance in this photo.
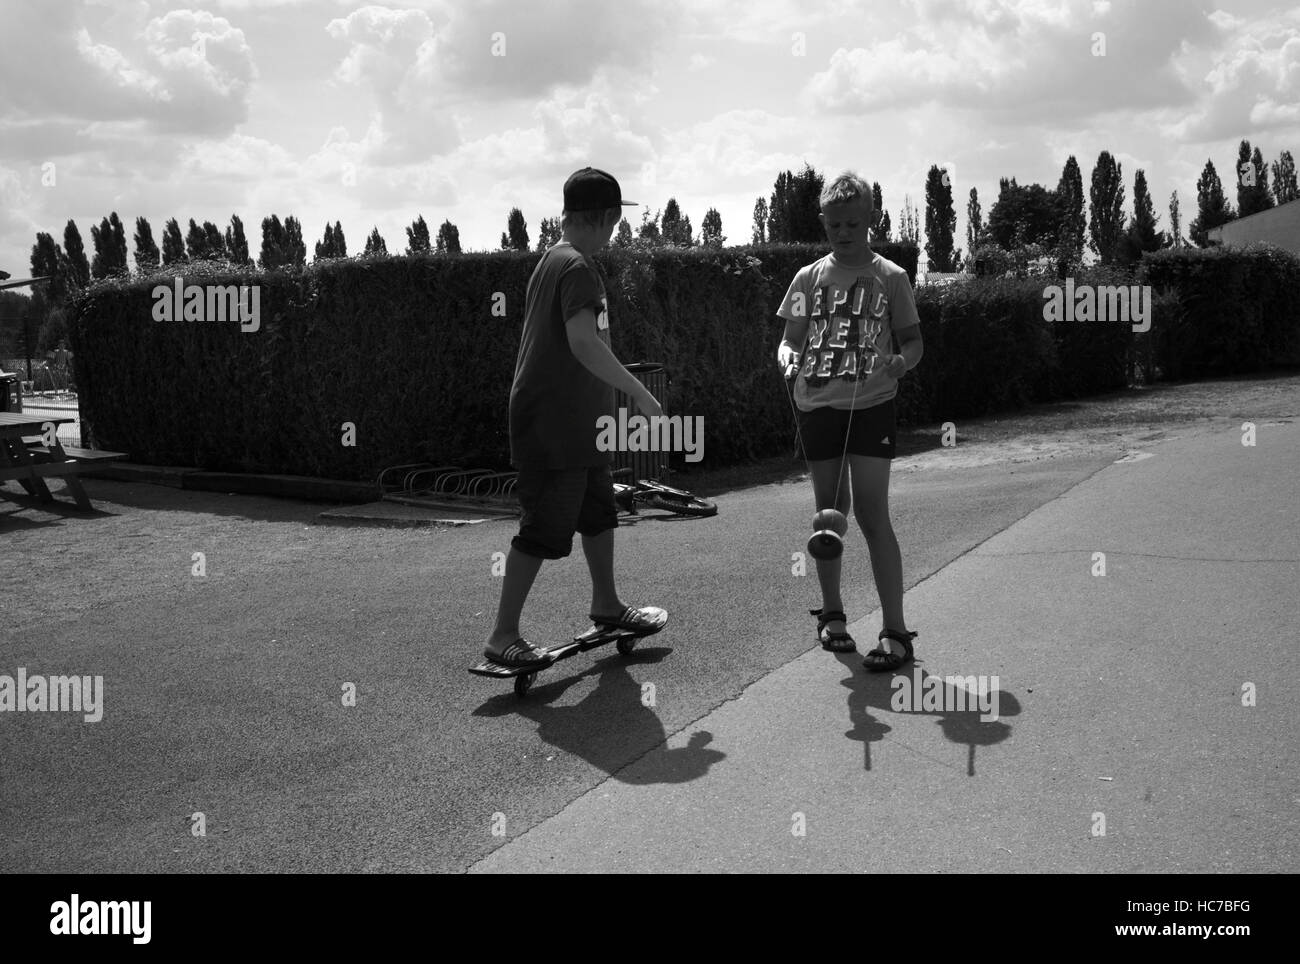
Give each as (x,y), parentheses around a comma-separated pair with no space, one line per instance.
(626,645)
(523,684)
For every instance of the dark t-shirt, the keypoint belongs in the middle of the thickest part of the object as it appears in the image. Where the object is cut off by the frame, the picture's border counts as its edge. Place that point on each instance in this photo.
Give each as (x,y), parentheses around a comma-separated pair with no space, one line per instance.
(555,401)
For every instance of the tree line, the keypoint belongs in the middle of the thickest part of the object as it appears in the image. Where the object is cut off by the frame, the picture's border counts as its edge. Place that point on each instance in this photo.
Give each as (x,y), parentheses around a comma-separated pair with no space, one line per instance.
(1054,223)
(1024,222)
(1021,215)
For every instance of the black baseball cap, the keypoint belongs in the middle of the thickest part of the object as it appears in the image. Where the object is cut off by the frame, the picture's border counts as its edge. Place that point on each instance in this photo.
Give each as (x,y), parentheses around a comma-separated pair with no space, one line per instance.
(593,190)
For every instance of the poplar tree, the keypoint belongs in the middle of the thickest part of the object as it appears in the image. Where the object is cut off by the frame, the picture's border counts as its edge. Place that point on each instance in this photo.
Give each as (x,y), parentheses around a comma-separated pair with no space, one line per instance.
(1106,218)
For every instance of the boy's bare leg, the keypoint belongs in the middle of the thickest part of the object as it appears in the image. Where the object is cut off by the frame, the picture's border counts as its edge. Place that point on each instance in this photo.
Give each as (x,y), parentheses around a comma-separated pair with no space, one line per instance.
(871,507)
(521,571)
(825,474)
(599,551)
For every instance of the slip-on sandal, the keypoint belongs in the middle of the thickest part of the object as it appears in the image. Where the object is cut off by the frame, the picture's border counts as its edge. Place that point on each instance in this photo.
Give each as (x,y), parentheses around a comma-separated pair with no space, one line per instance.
(641,621)
(519,654)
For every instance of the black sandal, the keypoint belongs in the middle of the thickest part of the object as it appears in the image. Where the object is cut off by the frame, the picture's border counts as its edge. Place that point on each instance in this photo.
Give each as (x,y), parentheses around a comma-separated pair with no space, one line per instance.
(880,661)
(520,654)
(833,642)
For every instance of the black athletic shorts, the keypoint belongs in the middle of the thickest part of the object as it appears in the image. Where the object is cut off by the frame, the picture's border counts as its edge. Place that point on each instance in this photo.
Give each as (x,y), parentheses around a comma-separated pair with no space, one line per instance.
(871,431)
(557,503)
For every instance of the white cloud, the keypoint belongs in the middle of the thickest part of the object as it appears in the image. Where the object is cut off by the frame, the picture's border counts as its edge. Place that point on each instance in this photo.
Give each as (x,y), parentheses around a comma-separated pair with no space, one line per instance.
(422,64)
(1252,81)
(738,146)
(555,43)
(16,203)
(1022,62)
(394,54)
(192,73)
(148,110)
(578,127)
(234,159)
(890,72)
(773,23)
(1224,21)
(117,70)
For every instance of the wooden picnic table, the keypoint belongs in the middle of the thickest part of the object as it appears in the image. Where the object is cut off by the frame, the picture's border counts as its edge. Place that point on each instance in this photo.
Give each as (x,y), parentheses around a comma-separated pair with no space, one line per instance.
(17,461)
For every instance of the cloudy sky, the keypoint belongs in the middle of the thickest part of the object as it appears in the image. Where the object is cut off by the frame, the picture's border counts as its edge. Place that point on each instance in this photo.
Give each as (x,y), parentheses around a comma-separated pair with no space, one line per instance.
(371,115)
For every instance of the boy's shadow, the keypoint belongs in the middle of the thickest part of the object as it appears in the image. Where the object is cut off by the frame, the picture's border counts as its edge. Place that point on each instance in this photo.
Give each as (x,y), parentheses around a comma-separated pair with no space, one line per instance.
(612,725)
(876,691)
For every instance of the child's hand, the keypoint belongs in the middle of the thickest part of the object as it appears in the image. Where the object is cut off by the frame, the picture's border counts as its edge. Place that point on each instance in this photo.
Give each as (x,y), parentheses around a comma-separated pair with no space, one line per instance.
(895,366)
(648,405)
(787,359)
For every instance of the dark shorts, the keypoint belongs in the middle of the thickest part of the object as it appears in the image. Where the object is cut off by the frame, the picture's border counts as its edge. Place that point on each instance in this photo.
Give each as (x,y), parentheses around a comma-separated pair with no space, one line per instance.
(557,503)
(871,431)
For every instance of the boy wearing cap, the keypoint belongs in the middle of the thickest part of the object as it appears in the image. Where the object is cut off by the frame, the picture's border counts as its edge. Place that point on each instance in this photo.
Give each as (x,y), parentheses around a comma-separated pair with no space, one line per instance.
(565,375)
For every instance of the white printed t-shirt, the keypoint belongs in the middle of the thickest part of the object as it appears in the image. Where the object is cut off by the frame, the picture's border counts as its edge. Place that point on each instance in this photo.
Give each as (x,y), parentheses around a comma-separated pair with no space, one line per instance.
(852,314)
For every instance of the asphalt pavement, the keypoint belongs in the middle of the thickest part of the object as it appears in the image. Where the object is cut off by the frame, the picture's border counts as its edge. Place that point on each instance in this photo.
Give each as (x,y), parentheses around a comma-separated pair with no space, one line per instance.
(727,742)
(1105,686)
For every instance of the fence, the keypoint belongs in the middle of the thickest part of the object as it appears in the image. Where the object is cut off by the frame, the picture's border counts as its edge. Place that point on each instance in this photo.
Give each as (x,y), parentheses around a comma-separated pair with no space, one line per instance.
(46,376)
(70,432)
(644,465)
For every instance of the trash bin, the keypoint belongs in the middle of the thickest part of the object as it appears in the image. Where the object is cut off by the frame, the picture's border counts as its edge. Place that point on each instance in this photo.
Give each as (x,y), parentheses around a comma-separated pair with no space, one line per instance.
(644,465)
(11,394)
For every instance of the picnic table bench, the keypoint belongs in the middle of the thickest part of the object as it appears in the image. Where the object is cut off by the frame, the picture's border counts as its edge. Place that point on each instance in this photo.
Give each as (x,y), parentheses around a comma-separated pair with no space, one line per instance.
(75,453)
(25,458)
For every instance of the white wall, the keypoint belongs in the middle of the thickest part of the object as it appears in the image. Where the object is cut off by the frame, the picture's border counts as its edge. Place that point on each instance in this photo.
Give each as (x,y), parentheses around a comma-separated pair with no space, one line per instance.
(1279,226)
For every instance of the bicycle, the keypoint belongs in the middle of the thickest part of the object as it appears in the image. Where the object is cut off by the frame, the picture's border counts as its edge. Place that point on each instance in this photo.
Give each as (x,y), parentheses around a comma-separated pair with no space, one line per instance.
(659,496)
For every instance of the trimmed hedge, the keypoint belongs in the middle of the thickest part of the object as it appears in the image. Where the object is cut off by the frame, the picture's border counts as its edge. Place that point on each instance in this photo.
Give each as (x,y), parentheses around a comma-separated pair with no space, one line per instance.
(418,353)
(1235,310)
(988,349)
(406,349)
(410,351)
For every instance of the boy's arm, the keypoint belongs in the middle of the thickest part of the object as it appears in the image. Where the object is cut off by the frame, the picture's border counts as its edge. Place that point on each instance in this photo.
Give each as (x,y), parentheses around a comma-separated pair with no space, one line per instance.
(795,312)
(792,342)
(908,336)
(910,345)
(595,356)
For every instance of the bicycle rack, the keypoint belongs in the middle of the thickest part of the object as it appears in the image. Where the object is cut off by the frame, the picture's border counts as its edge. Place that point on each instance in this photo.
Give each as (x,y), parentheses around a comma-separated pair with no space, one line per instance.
(412,483)
(496,482)
(392,469)
(424,481)
(455,483)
